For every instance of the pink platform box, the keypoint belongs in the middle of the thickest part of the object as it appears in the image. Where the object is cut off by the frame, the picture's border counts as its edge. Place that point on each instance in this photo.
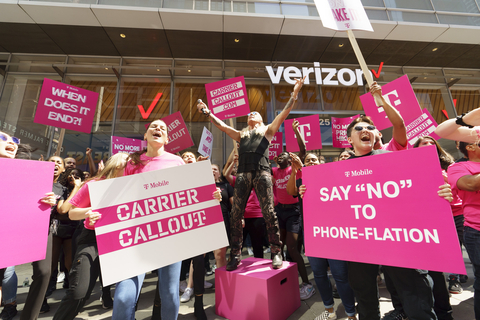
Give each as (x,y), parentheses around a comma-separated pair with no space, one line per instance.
(257,291)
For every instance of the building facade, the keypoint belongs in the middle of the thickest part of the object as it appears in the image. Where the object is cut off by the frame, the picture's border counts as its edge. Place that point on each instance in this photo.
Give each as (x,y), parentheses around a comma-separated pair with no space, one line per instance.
(129,51)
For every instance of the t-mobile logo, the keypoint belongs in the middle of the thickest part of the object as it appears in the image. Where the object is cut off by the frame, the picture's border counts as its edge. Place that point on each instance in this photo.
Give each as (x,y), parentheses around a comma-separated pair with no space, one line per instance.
(394,103)
(304,130)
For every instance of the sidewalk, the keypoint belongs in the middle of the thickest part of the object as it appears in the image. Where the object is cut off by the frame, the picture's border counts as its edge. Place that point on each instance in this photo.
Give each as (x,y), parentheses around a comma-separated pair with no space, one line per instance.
(462,303)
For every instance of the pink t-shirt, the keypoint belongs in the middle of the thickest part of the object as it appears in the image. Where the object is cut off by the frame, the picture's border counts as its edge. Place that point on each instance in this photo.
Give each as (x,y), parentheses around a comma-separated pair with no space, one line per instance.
(281,177)
(252,210)
(393,145)
(82,200)
(470,199)
(456,203)
(166,160)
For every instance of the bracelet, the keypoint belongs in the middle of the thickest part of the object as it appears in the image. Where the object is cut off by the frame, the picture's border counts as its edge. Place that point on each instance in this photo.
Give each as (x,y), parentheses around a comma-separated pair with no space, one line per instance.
(462,123)
(291,95)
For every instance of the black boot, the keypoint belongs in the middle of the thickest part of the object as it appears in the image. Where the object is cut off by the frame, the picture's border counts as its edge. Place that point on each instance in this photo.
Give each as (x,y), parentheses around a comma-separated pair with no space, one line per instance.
(234,262)
(199,312)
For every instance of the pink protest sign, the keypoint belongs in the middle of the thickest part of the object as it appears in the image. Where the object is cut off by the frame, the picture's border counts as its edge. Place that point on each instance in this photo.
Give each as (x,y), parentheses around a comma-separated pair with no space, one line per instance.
(206,143)
(65,106)
(122,144)
(339,131)
(309,128)
(343,15)
(178,135)
(228,98)
(422,126)
(25,220)
(276,146)
(400,94)
(156,211)
(361,210)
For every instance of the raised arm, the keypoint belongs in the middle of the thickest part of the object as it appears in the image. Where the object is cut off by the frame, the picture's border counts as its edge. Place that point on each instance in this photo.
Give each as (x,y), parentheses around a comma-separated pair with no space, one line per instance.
(222,126)
(277,122)
(91,163)
(300,140)
(292,181)
(452,130)
(229,160)
(228,173)
(399,132)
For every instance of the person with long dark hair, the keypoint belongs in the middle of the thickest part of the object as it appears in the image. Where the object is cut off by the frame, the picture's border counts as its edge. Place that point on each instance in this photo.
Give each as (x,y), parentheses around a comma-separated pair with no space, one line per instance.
(254,172)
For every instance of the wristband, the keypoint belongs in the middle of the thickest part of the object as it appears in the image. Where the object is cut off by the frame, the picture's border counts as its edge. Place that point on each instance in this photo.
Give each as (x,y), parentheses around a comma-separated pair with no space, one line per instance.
(462,123)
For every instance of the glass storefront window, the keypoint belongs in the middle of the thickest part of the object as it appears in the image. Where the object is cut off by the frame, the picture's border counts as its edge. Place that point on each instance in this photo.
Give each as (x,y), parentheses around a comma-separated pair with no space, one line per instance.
(373,3)
(195,68)
(433,98)
(35,63)
(409,4)
(136,3)
(465,98)
(464,76)
(147,67)
(17,111)
(308,97)
(377,14)
(456,6)
(299,10)
(135,92)
(412,16)
(270,8)
(425,75)
(342,98)
(178,4)
(92,65)
(459,19)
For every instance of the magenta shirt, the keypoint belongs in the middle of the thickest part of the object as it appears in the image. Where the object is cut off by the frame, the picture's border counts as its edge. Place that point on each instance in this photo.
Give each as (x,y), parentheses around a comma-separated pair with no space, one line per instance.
(470,199)
(281,177)
(166,160)
(393,145)
(82,200)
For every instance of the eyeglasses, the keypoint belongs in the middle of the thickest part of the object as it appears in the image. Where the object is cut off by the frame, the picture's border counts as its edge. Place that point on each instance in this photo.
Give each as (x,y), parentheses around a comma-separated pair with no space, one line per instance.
(369,128)
(253,113)
(5,137)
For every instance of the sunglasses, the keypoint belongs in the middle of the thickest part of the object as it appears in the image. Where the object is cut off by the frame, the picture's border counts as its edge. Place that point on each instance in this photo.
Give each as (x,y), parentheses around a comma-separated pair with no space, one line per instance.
(253,113)
(369,128)
(5,137)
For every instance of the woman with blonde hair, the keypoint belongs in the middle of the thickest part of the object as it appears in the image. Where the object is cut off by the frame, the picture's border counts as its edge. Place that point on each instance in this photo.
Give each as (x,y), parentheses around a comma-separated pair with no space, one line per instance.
(86,266)
(254,172)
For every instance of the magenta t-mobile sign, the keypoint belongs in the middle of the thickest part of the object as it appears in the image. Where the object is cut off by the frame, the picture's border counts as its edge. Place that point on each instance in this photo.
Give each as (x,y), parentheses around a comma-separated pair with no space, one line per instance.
(65,106)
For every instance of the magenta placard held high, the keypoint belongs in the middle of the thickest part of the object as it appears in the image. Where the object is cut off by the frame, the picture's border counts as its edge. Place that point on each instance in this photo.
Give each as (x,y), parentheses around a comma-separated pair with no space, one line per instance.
(401,96)
(178,136)
(122,144)
(339,131)
(65,106)
(382,209)
(276,146)
(228,98)
(309,128)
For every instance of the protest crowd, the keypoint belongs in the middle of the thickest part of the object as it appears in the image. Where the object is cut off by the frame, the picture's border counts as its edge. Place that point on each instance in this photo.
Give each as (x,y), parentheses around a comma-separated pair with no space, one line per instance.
(261,205)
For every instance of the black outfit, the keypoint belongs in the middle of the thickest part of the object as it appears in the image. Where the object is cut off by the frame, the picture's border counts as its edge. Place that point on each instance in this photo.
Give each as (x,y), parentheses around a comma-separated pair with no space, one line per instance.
(227,192)
(253,172)
(41,270)
(412,287)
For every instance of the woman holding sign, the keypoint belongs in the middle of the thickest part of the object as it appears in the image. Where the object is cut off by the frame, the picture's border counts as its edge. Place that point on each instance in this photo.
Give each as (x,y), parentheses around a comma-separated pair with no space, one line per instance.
(127,291)
(254,172)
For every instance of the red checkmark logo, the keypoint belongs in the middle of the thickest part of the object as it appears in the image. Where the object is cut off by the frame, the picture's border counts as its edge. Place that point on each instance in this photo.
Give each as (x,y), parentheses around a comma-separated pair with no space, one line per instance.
(377,74)
(145,115)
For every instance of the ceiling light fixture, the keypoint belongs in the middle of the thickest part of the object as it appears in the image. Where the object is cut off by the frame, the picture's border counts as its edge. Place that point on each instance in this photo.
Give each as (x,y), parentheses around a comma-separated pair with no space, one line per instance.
(189,70)
(123,35)
(237,40)
(158,69)
(106,68)
(434,49)
(340,45)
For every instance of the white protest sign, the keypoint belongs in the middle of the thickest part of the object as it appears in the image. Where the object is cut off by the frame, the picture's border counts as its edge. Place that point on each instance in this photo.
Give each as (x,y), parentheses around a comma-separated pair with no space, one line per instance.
(156,218)
(343,15)
(206,143)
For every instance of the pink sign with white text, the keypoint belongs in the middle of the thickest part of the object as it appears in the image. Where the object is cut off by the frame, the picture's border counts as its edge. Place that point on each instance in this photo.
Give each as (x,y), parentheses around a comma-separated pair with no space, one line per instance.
(339,131)
(399,93)
(362,210)
(422,126)
(309,128)
(343,15)
(24,219)
(206,143)
(228,98)
(276,146)
(156,211)
(178,136)
(65,106)
(122,144)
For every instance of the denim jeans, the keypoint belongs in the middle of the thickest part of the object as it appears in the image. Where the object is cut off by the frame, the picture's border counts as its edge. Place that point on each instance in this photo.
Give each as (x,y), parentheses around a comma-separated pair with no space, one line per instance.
(9,286)
(340,274)
(471,242)
(128,291)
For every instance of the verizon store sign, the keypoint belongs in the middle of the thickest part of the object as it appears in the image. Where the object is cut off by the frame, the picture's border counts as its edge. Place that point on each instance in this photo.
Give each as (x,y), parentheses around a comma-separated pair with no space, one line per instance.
(326,76)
